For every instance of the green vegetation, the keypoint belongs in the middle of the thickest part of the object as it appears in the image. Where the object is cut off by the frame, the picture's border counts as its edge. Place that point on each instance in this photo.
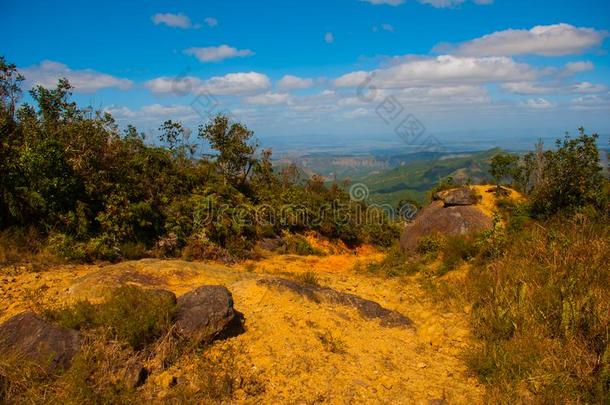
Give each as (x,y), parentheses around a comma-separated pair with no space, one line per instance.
(130,314)
(308,278)
(91,192)
(542,311)
(503,165)
(537,281)
(298,245)
(414,180)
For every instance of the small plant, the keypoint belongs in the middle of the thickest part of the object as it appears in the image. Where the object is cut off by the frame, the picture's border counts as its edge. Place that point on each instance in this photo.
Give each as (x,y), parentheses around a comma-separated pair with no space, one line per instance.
(456,250)
(396,263)
(308,278)
(298,245)
(331,343)
(216,377)
(492,243)
(429,244)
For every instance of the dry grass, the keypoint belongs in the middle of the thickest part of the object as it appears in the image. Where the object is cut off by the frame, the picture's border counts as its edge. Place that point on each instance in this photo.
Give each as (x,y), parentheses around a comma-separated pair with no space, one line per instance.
(542,311)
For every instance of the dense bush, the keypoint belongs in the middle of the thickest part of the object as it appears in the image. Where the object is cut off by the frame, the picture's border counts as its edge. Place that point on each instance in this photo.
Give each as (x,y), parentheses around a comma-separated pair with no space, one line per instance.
(101,194)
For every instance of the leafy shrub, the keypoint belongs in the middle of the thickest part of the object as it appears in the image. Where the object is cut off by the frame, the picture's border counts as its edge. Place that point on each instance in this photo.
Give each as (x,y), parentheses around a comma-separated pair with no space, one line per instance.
(298,245)
(492,243)
(571,176)
(133,250)
(395,263)
(429,244)
(456,250)
(199,247)
(65,247)
(131,314)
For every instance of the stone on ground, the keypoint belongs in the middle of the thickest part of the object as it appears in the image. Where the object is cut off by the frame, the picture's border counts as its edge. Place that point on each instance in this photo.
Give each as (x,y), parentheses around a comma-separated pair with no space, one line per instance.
(29,337)
(205,313)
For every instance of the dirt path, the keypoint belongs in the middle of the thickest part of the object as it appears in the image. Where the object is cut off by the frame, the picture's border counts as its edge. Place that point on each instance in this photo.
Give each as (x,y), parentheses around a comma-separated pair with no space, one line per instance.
(300,350)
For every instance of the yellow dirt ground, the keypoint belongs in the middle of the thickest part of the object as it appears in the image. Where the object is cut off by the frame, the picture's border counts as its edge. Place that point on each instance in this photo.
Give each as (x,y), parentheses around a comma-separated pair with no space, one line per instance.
(488,200)
(286,343)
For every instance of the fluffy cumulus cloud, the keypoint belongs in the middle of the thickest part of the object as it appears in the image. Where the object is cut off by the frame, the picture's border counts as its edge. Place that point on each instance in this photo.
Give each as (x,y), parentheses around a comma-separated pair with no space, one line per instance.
(545,40)
(243,83)
(48,73)
(441,70)
(289,82)
(217,53)
(173,20)
(149,117)
(268,98)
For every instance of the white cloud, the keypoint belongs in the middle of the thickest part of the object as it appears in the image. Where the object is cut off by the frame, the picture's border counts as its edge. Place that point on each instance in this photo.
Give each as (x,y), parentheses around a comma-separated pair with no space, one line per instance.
(586,87)
(433,3)
(329,38)
(590,102)
(47,73)
(243,83)
(577,67)
(388,2)
(211,22)
(236,84)
(289,82)
(357,113)
(525,88)
(268,99)
(539,104)
(442,3)
(441,70)
(173,20)
(546,40)
(217,53)
(151,116)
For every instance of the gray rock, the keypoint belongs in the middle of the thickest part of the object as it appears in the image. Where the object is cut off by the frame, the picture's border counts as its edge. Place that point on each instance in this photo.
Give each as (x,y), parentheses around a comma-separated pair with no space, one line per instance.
(205,313)
(457,196)
(446,221)
(135,375)
(368,309)
(29,337)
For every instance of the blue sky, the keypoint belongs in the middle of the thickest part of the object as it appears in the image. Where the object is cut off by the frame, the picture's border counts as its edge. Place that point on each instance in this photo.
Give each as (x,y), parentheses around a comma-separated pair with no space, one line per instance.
(290,69)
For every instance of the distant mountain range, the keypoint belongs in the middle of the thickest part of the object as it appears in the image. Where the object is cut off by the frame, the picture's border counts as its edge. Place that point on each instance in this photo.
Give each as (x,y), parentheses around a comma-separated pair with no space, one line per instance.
(390,178)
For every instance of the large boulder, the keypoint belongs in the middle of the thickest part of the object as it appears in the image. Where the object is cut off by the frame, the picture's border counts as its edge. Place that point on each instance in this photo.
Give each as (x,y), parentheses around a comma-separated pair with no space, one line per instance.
(29,337)
(448,221)
(457,197)
(205,313)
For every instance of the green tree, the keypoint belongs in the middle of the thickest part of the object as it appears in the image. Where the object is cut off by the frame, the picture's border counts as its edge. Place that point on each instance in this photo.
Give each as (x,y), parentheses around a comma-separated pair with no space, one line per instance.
(571,177)
(235,156)
(503,165)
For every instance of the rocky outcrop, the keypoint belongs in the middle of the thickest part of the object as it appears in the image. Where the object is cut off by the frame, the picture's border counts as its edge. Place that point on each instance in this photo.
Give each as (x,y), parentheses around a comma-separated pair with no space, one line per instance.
(29,337)
(366,308)
(205,313)
(457,197)
(452,213)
